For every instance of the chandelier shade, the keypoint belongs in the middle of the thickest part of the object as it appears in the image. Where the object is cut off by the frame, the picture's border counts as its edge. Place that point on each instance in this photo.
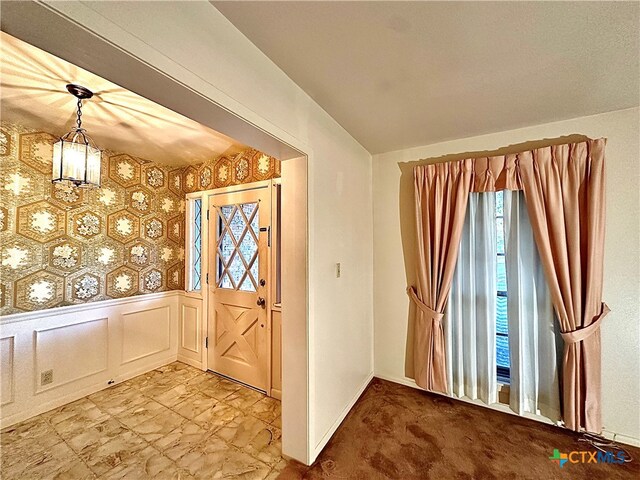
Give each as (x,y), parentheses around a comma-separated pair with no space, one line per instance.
(76,158)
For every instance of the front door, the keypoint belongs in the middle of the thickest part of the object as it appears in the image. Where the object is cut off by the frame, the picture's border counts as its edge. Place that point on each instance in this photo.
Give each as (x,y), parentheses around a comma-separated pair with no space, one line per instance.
(238,292)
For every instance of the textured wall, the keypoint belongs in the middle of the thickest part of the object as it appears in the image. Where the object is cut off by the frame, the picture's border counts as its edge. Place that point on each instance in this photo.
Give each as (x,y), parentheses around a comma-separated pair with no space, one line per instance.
(62,245)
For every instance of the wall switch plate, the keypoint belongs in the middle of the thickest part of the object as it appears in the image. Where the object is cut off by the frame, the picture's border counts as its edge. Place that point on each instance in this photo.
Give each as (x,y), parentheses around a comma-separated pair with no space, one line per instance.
(337,270)
(46,377)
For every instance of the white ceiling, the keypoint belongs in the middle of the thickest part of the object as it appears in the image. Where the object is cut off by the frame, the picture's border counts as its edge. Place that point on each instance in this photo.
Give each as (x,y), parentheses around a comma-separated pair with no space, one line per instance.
(403,74)
(33,93)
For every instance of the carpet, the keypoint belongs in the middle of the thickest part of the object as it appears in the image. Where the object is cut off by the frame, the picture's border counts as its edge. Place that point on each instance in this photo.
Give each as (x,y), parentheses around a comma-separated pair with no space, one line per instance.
(398,432)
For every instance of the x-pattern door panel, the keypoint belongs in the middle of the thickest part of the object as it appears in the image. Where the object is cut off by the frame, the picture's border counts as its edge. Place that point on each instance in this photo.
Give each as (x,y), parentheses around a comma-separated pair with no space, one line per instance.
(238,319)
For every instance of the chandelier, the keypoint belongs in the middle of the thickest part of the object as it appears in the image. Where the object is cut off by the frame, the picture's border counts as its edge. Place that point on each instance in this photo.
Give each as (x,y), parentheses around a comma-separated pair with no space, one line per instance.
(76,158)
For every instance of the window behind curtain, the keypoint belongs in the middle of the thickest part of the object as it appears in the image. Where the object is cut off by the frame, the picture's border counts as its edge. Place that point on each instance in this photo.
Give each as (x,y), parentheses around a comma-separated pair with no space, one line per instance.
(502,330)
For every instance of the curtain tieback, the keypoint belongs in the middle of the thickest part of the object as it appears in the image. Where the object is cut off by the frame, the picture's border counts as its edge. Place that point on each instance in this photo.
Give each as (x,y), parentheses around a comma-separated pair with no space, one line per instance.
(436,317)
(580,334)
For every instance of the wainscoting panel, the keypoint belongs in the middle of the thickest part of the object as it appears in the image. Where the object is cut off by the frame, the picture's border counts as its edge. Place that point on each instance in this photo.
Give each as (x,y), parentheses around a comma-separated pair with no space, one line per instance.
(6,367)
(145,332)
(53,357)
(192,331)
(69,353)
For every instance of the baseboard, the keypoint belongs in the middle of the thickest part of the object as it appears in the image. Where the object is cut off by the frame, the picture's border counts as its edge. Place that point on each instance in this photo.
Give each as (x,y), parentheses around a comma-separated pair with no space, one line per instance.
(78,394)
(275,393)
(327,436)
(621,438)
(190,361)
(144,369)
(408,382)
(618,437)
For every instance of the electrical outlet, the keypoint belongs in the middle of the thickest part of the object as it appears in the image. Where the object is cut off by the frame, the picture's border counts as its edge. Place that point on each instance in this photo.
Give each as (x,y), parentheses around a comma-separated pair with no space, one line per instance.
(46,377)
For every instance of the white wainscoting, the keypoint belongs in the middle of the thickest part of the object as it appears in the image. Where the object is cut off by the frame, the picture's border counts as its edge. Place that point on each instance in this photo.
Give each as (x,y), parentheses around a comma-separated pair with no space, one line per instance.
(71,351)
(87,346)
(8,372)
(145,332)
(192,331)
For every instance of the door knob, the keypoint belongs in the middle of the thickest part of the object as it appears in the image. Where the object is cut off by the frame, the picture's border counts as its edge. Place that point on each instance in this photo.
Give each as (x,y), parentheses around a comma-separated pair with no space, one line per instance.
(261,302)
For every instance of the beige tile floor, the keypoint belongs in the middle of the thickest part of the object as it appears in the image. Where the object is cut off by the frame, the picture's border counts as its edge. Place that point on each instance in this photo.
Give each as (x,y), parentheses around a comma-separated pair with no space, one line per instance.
(175,422)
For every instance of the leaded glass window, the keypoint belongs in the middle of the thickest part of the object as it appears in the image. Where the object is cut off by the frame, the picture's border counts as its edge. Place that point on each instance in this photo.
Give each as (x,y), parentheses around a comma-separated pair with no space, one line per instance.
(238,233)
(196,254)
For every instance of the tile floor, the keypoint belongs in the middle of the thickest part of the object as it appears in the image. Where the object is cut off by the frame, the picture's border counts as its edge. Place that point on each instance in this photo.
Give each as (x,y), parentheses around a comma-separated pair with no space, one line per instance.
(175,422)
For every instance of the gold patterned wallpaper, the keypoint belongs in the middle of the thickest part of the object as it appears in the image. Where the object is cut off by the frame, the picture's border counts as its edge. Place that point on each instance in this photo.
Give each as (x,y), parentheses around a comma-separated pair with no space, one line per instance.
(245,167)
(60,245)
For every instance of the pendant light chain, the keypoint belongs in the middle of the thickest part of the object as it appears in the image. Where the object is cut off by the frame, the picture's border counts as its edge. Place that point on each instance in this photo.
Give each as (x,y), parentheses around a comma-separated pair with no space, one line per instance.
(79,113)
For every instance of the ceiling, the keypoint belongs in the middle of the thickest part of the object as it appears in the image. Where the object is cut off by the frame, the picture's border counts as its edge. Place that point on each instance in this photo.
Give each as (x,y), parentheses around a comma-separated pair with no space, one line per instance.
(33,93)
(403,74)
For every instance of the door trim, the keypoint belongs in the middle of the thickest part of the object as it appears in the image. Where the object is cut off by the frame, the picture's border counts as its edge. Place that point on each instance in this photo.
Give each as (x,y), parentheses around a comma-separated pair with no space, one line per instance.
(231,189)
(205,196)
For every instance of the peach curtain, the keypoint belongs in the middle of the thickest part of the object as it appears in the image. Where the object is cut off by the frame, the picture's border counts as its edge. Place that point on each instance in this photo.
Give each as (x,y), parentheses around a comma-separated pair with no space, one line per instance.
(441,194)
(564,189)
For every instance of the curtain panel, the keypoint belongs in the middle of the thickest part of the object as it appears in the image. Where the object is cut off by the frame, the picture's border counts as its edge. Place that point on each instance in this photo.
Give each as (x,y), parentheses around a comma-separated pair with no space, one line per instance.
(535,343)
(470,315)
(564,190)
(441,193)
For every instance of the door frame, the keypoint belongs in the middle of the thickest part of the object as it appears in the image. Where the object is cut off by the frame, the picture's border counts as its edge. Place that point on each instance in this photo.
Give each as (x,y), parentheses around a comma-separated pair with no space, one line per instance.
(276,273)
(205,196)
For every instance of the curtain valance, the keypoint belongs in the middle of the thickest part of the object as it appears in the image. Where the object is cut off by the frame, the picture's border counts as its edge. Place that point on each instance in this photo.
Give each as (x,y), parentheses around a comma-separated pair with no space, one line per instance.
(503,172)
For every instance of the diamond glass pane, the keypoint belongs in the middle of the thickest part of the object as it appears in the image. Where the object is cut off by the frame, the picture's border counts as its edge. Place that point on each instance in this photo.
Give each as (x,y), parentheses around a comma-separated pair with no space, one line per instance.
(196,267)
(225,282)
(227,247)
(226,211)
(248,247)
(255,226)
(255,270)
(248,209)
(238,225)
(247,285)
(236,270)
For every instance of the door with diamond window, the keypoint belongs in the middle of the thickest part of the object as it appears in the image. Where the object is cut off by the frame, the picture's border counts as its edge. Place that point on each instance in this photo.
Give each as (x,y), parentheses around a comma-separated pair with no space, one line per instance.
(239,228)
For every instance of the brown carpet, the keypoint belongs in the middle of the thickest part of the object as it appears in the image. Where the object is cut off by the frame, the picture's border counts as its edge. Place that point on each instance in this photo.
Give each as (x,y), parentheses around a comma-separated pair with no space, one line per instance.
(399,432)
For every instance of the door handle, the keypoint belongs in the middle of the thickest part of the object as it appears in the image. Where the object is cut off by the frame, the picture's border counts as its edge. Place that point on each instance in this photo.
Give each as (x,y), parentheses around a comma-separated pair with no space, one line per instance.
(261,302)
